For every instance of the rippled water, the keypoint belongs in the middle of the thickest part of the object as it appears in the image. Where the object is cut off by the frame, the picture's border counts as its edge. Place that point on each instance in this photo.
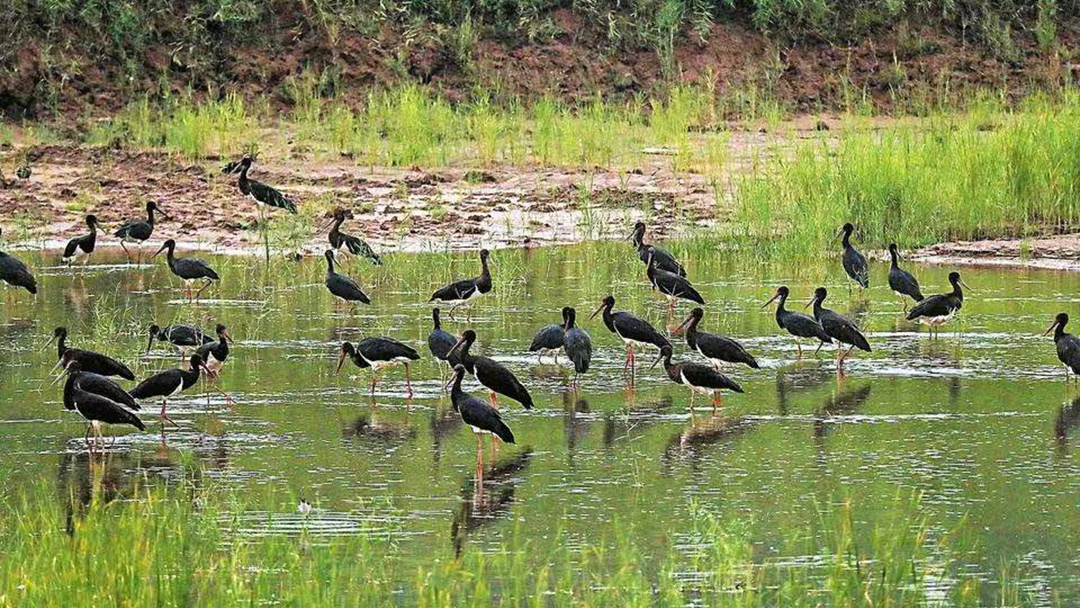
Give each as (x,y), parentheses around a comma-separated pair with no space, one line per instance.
(981,423)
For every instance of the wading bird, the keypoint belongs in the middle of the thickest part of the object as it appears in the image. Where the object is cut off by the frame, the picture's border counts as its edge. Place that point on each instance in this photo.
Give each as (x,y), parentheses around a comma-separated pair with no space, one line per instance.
(466,290)
(1068,345)
(183,337)
(378,353)
(547,341)
(717,349)
(213,353)
(15,273)
(698,378)
(633,331)
(263,195)
(97,384)
(576,343)
(854,263)
(672,285)
(139,232)
(354,245)
(440,342)
(341,285)
(901,281)
(495,376)
(188,269)
(97,409)
(838,327)
(796,323)
(169,383)
(88,360)
(482,418)
(82,246)
(937,310)
(664,260)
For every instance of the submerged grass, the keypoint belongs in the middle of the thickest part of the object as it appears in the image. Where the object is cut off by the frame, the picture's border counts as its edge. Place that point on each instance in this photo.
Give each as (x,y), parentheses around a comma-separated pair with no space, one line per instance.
(989,172)
(187,545)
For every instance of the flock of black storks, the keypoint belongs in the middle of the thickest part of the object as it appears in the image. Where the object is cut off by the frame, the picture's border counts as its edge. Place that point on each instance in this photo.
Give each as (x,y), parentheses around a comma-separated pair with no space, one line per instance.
(90,391)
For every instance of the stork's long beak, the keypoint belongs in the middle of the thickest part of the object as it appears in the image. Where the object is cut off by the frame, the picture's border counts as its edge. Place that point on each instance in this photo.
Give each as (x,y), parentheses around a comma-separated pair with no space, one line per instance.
(158,251)
(810,303)
(56,380)
(456,348)
(48,344)
(658,360)
(453,379)
(597,311)
(771,300)
(228,337)
(836,237)
(340,361)
(964,285)
(1052,328)
(58,362)
(684,325)
(163,214)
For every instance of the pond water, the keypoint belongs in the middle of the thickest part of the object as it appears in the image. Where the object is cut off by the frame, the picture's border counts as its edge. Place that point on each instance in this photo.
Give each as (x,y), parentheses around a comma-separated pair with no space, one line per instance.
(979,423)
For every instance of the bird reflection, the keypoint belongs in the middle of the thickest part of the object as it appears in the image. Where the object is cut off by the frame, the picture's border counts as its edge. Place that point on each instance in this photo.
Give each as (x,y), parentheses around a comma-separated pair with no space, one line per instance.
(1067,418)
(368,427)
(485,498)
(634,419)
(796,379)
(692,442)
(841,404)
(575,428)
(444,423)
(858,311)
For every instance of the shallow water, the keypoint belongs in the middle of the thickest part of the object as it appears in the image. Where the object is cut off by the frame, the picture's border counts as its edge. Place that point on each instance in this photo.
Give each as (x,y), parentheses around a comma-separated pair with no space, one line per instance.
(980,423)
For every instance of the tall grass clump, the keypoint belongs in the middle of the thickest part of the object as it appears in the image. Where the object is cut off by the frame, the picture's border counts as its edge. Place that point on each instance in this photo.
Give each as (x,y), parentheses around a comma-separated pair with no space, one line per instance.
(967,176)
(192,545)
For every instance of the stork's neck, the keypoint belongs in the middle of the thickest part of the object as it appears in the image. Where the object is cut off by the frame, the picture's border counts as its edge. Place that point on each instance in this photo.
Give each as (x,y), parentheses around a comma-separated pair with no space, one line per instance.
(817,307)
(150,216)
(336,225)
(674,370)
(956,291)
(609,319)
(329,265)
(780,305)
(847,239)
(436,321)
(895,257)
(1059,332)
(61,346)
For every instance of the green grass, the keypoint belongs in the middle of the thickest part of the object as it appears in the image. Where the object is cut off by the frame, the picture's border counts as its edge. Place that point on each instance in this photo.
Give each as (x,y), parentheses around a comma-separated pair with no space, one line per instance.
(988,172)
(185,546)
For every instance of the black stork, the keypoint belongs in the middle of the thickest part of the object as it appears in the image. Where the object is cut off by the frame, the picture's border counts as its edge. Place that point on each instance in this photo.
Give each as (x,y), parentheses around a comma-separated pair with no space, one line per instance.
(259,192)
(937,310)
(97,384)
(82,246)
(495,376)
(838,327)
(547,341)
(169,383)
(901,281)
(796,323)
(354,245)
(717,349)
(698,378)
(854,263)
(664,260)
(183,337)
(214,353)
(1068,345)
(139,232)
(88,360)
(188,269)
(440,342)
(481,417)
(342,286)
(94,407)
(576,343)
(15,273)
(633,331)
(672,285)
(466,290)
(378,353)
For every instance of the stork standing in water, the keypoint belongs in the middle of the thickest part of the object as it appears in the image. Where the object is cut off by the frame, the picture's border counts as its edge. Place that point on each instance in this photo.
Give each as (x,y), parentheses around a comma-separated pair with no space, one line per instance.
(547,341)
(342,286)
(717,349)
(188,269)
(663,259)
(633,331)
(854,263)
(495,376)
(88,360)
(901,281)
(378,353)
(354,245)
(466,290)
(698,378)
(576,343)
(441,342)
(98,400)
(838,327)
(1068,345)
(796,323)
(214,355)
(169,383)
(672,285)
(481,417)
(263,195)
(183,337)
(139,232)
(938,310)
(82,246)
(15,273)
